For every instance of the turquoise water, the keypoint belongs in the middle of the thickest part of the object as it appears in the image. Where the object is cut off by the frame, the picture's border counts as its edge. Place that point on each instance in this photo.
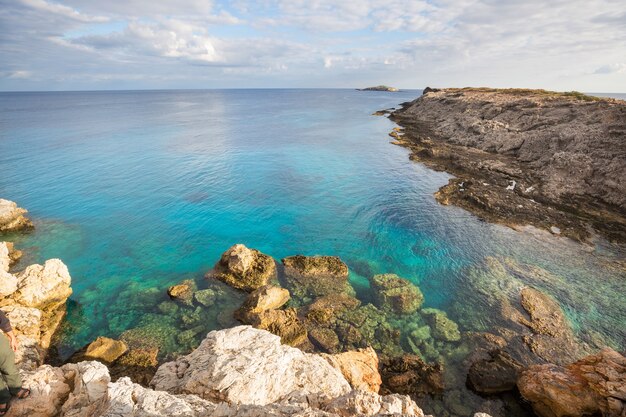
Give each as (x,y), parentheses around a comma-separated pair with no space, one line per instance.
(136,191)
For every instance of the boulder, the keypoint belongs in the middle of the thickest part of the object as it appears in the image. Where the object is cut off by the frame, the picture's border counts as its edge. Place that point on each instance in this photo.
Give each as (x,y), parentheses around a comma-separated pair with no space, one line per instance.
(234,365)
(324,309)
(183,291)
(360,368)
(494,375)
(244,269)
(12,217)
(282,323)
(105,349)
(594,385)
(8,284)
(44,287)
(365,403)
(395,294)
(409,374)
(268,297)
(442,327)
(315,276)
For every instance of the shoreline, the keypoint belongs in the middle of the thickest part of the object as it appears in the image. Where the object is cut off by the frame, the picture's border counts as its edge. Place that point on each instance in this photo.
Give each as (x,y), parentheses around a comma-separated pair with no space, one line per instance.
(473,134)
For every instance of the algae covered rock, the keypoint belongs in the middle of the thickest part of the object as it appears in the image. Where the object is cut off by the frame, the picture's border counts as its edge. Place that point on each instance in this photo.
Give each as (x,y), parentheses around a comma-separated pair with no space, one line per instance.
(442,327)
(409,374)
(183,291)
(396,294)
(12,217)
(244,269)
(309,277)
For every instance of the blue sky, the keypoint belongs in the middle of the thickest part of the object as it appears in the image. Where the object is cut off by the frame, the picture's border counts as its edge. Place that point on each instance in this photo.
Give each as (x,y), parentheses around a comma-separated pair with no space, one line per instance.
(139,44)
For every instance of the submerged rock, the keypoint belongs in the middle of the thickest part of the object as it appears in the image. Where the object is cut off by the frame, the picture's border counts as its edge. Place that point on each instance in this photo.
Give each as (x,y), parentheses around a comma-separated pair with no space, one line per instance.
(409,374)
(309,277)
(105,349)
(244,269)
(497,374)
(442,327)
(283,323)
(268,297)
(595,385)
(12,217)
(396,294)
(183,292)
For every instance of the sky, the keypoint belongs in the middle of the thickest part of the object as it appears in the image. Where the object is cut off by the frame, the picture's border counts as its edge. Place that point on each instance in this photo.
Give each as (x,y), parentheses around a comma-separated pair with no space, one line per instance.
(160,44)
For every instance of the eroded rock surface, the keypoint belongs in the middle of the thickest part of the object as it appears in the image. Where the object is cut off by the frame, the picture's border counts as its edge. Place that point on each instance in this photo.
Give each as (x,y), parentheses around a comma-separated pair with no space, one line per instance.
(525,156)
(360,368)
(12,217)
(243,268)
(594,385)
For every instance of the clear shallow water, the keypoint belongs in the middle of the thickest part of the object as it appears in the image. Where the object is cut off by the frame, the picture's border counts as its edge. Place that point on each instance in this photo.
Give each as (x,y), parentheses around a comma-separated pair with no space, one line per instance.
(135,191)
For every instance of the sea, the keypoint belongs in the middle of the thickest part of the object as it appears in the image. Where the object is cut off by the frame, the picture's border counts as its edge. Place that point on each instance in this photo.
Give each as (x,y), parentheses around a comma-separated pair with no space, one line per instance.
(138,190)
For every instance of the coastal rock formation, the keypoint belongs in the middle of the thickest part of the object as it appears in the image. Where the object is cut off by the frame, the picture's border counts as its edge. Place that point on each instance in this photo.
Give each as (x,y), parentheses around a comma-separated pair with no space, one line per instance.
(244,269)
(594,385)
(309,277)
(380,88)
(34,301)
(396,294)
(360,368)
(553,160)
(234,364)
(12,217)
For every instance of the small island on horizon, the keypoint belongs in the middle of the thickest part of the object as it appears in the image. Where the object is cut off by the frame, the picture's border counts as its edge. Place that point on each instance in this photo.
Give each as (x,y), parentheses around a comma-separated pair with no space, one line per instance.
(380,88)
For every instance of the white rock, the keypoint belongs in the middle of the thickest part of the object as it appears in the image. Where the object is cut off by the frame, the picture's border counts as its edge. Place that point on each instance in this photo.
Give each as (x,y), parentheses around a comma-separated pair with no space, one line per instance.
(44,286)
(12,217)
(5,259)
(249,366)
(26,323)
(48,391)
(90,388)
(371,404)
(8,283)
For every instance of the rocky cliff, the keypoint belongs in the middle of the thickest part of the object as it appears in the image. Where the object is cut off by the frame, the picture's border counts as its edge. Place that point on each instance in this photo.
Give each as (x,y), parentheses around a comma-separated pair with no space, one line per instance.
(552,160)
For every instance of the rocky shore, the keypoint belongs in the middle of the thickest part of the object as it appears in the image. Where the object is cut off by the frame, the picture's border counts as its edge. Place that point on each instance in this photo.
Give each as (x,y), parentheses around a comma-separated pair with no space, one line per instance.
(524,157)
(310,347)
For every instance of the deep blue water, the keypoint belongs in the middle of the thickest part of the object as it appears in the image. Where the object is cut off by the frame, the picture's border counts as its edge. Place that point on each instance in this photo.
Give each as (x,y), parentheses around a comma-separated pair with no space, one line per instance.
(135,191)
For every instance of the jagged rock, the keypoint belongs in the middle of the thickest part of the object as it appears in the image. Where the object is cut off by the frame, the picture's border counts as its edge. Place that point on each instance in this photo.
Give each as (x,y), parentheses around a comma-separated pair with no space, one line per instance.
(442,327)
(364,403)
(8,283)
(138,364)
(268,297)
(315,276)
(409,374)
(26,323)
(183,292)
(595,385)
(6,248)
(105,349)
(12,217)
(396,294)
(497,374)
(44,287)
(234,365)
(48,390)
(244,269)
(360,368)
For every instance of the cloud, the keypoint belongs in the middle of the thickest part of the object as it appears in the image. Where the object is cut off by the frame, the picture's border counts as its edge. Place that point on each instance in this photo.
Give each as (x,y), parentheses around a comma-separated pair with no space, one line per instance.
(611,69)
(62,10)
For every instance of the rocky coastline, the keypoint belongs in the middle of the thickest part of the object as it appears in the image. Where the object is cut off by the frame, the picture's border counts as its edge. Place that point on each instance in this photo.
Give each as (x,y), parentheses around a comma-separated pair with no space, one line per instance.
(555,161)
(308,346)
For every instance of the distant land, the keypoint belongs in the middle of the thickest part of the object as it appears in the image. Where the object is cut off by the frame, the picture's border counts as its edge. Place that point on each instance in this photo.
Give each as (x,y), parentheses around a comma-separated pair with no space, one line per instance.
(379,88)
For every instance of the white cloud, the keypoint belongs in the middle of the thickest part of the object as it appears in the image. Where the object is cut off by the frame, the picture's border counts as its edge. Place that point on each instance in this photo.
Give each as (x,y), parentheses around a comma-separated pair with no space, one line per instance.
(65,11)
(611,69)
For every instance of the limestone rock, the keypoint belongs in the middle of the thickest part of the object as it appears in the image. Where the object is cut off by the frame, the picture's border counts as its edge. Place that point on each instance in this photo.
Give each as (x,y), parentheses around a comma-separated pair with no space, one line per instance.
(105,349)
(234,364)
(364,403)
(282,323)
(44,287)
(182,291)
(268,297)
(8,283)
(360,368)
(595,385)
(396,294)
(316,276)
(48,390)
(442,327)
(26,323)
(12,217)
(244,269)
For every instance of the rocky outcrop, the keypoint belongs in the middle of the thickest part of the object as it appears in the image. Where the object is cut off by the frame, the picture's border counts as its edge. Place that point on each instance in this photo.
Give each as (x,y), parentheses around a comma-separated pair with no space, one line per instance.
(244,269)
(12,217)
(233,365)
(360,368)
(308,277)
(553,160)
(380,88)
(396,294)
(34,301)
(594,385)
